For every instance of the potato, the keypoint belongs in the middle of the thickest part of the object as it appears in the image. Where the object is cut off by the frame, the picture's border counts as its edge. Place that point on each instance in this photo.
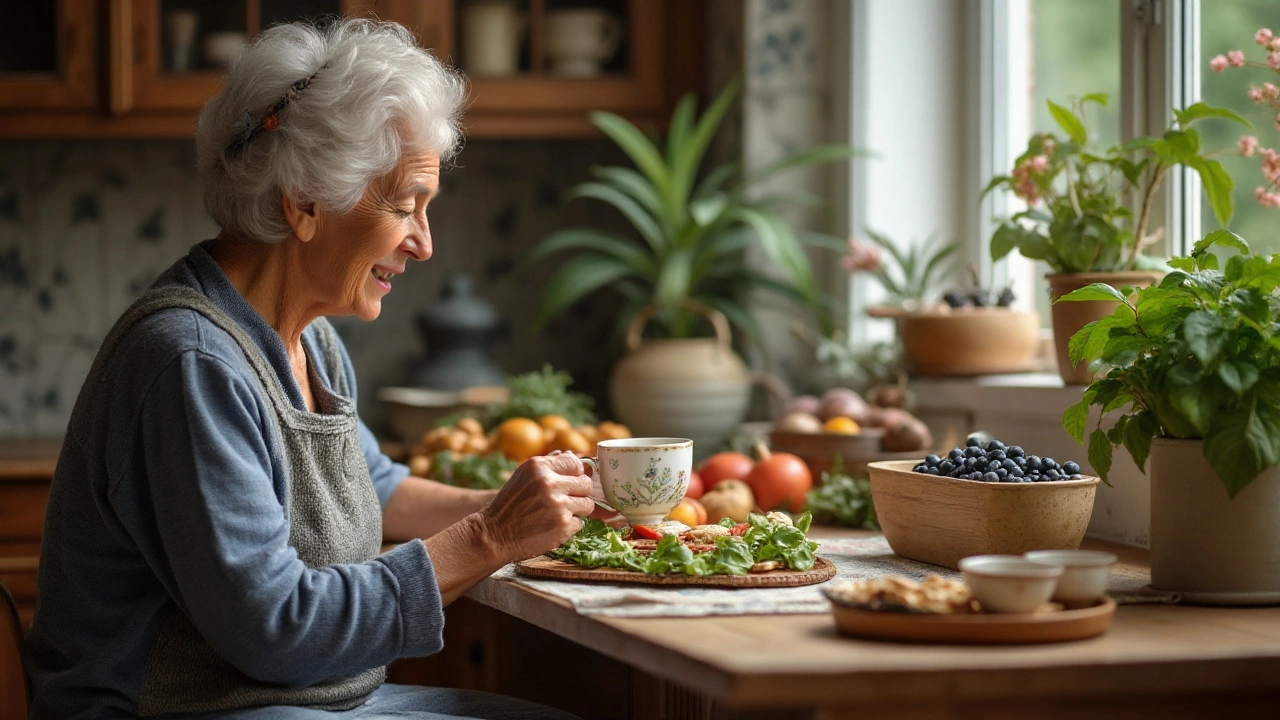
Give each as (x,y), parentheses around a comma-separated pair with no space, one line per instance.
(799,422)
(907,436)
(420,465)
(729,499)
(471,426)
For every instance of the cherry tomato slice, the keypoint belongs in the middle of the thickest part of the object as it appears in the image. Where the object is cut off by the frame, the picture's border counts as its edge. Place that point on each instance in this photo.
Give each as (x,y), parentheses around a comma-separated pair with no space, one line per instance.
(646,532)
(740,529)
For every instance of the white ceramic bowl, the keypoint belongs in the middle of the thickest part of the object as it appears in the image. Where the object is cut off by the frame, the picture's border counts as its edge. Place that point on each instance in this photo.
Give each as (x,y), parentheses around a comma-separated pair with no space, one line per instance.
(1009,583)
(1085,573)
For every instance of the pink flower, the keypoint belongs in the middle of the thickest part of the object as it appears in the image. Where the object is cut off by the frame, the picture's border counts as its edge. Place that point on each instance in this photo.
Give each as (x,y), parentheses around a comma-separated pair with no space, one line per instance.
(1270,165)
(862,256)
(1255,94)
(1266,199)
(1039,164)
(1278,122)
(1263,37)
(1273,60)
(1248,145)
(1218,63)
(1270,92)
(1274,45)
(1236,58)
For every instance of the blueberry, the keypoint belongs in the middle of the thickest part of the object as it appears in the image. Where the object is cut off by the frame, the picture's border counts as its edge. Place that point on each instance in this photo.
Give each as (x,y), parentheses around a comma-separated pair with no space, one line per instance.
(1048,462)
(996,445)
(1076,477)
(991,477)
(1016,452)
(998,455)
(955,298)
(973,442)
(1052,475)
(931,471)
(946,466)
(956,454)
(1008,479)
(1025,479)
(1071,468)
(932,460)
(1009,465)
(1017,472)
(1020,462)
(972,451)
(920,468)
(970,462)
(1034,462)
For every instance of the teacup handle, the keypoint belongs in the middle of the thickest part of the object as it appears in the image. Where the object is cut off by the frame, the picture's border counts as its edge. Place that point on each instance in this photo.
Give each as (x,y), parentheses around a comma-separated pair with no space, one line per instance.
(597,489)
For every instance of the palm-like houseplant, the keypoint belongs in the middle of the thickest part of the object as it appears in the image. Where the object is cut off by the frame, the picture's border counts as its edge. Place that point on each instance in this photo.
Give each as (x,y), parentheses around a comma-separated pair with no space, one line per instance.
(691,234)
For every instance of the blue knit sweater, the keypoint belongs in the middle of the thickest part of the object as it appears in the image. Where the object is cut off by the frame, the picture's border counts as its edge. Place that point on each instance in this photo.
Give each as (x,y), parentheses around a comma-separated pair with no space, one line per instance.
(171,491)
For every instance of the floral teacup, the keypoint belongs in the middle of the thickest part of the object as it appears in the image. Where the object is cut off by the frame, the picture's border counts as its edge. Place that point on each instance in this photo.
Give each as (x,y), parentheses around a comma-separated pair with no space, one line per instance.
(643,478)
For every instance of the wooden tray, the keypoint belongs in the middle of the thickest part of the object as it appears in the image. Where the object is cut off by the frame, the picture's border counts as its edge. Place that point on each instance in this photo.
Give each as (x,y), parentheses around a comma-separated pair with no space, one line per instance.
(545,567)
(977,628)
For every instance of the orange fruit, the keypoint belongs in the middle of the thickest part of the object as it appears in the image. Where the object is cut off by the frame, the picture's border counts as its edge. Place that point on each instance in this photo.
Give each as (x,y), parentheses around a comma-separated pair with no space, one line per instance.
(613,431)
(555,422)
(570,440)
(520,439)
(690,512)
(842,425)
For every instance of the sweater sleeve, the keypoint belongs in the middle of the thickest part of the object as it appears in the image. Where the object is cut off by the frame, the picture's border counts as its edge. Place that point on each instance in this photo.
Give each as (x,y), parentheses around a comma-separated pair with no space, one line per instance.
(215,531)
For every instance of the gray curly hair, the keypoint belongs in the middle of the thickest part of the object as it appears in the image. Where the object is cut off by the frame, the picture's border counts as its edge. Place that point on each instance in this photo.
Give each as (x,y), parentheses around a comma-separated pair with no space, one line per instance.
(373,95)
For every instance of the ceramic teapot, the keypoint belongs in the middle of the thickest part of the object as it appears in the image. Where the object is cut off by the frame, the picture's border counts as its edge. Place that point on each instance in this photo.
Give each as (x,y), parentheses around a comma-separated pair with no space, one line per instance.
(457,329)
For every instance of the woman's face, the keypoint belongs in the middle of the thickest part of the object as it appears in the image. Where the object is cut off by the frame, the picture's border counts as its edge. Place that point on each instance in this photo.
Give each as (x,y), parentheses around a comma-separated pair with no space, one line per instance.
(355,257)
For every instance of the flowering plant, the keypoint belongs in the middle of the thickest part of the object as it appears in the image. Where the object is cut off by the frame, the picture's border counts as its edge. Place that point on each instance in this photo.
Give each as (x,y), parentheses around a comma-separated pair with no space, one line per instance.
(913,273)
(1075,218)
(1266,94)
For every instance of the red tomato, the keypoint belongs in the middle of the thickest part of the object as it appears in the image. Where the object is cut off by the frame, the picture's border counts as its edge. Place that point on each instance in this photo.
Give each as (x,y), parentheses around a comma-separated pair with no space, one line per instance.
(695,486)
(646,532)
(725,466)
(740,529)
(780,480)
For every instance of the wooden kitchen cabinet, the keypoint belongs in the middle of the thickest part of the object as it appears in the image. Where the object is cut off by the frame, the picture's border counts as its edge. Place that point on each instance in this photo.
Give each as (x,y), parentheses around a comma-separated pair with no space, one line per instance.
(144,68)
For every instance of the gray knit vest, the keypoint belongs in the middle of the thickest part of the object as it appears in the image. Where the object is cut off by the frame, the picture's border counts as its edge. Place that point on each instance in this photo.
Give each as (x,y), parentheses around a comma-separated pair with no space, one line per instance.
(334,517)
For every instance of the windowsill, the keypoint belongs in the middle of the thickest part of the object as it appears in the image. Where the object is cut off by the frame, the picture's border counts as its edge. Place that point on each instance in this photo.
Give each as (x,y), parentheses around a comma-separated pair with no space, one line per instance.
(1021,395)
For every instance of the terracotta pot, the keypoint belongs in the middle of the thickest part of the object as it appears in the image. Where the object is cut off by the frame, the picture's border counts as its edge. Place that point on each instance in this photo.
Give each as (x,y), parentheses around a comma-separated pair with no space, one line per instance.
(1208,547)
(969,341)
(1069,317)
(697,388)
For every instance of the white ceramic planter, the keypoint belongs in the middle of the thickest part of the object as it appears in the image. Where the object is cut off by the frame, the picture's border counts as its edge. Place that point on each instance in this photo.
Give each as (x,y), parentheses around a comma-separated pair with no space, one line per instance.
(1204,545)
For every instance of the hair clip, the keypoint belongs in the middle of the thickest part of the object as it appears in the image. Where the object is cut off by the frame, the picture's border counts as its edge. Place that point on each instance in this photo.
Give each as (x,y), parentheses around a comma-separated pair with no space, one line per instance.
(246,129)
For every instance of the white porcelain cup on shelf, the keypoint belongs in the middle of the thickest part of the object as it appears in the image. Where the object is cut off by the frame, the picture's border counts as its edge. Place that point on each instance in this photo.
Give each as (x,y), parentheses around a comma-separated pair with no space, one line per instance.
(580,40)
(643,478)
(491,32)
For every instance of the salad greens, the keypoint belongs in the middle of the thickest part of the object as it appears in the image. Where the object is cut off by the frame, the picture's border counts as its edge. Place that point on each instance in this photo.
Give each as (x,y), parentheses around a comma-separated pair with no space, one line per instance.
(598,545)
(843,499)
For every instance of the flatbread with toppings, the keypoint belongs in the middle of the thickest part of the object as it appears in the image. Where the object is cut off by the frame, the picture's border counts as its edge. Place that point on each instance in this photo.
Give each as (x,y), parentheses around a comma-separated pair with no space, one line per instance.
(762,544)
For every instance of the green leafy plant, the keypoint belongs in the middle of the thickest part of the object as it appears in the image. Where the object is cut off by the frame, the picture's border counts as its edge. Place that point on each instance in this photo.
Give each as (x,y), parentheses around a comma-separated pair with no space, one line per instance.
(692,234)
(916,272)
(842,499)
(1197,356)
(538,393)
(1076,220)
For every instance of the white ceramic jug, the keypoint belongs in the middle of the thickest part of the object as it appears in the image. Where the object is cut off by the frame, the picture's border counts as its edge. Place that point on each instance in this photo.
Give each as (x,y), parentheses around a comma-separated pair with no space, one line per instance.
(579,40)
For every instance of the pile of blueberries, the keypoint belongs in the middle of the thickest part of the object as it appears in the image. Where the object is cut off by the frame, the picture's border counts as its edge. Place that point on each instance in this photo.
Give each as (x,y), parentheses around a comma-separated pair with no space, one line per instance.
(997,462)
(977,298)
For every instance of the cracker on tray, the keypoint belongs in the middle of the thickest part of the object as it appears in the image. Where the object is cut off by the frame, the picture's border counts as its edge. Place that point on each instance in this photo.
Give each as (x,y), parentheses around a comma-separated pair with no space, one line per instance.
(896,593)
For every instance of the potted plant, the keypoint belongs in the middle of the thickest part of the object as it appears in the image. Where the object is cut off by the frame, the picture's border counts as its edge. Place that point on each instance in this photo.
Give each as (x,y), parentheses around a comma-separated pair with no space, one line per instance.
(685,265)
(1076,219)
(971,332)
(1192,366)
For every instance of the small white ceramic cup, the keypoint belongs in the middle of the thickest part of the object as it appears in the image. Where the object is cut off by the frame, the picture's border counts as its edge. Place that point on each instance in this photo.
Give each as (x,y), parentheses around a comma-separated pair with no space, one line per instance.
(1009,583)
(1085,574)
(643,478)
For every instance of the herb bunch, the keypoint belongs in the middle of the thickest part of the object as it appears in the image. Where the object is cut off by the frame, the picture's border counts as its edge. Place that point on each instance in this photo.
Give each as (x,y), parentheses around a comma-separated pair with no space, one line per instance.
(1197,356)
(842,499)
(540,393)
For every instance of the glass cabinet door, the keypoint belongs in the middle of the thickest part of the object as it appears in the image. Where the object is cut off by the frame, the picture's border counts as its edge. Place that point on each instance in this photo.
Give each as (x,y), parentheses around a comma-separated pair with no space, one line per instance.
(47,55)
(178,49)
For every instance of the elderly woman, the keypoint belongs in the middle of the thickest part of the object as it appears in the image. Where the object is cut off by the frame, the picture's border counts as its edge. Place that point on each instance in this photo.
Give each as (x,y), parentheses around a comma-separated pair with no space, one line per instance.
(214,532)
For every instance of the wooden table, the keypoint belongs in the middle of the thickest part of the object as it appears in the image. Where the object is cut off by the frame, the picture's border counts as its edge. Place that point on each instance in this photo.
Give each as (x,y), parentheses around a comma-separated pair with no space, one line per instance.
(1156,661)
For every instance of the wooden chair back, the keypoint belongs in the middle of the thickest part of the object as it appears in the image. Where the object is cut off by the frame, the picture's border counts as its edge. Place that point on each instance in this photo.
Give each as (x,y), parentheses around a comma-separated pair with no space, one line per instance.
(15,688)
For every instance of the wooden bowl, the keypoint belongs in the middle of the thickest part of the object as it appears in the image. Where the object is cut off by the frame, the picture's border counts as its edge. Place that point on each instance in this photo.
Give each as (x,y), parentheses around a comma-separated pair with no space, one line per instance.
(819,449)
(939,520)
(969,341)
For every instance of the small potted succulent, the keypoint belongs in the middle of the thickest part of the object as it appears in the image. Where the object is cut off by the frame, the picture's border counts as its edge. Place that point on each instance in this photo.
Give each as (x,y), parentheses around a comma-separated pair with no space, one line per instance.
(1190,377)
(971,331)
(1076,219)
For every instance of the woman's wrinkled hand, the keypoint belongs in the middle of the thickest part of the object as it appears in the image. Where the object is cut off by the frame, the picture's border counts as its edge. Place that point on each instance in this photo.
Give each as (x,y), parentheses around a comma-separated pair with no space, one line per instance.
(540,507)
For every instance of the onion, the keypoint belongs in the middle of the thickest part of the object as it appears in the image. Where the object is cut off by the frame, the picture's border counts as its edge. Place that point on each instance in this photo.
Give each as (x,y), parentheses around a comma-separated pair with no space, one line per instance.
(843,402)
(799,422)
(804,404)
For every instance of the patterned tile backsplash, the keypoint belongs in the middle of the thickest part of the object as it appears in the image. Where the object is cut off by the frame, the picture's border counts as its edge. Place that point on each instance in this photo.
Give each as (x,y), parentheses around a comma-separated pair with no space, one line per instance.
(86,226)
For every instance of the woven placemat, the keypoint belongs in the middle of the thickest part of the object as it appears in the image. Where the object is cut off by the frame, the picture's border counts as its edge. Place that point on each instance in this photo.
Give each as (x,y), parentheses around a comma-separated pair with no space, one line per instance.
(545,567)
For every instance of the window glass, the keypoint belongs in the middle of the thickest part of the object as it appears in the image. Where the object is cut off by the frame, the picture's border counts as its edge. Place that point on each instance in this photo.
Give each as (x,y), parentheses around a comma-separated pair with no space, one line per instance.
(1227,25)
